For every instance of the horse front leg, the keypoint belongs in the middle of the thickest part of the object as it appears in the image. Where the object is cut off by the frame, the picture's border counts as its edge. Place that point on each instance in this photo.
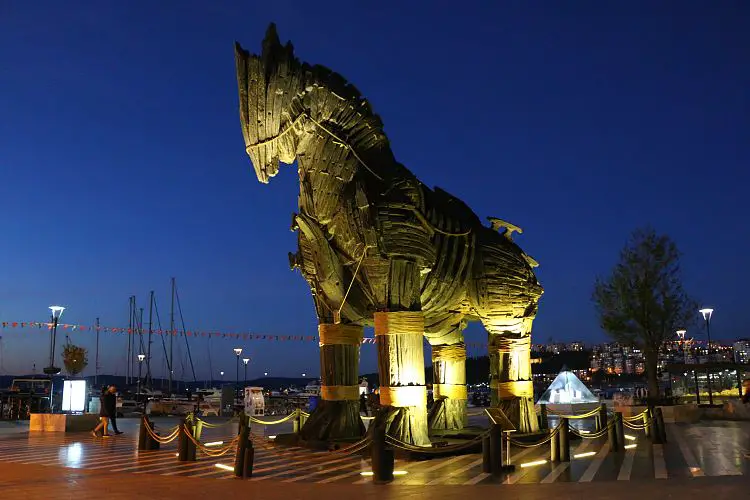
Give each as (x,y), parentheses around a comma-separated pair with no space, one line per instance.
(509,349)
(399,328)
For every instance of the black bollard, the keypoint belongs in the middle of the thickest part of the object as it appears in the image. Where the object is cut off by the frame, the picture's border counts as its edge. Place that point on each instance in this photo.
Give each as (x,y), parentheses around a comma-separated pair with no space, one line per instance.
(612,434)
(543,422)
(602,417)
(382,458)
(143,437)
(486,456)
(247,461)
(554,448)
(496,449)
(619,431)
(564,440)
(242,444)
(182,440)
(647,422)
(191,447)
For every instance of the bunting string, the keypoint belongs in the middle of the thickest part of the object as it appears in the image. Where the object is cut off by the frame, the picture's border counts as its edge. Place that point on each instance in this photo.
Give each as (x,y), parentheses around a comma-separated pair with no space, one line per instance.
(67,327)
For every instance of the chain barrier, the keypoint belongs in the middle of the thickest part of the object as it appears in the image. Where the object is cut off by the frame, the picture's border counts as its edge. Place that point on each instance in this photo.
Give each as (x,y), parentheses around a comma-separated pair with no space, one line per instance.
(292,415)
(592,413)
(635,417)
(640,427)
(322,457)
(192,418)
(546,440)
(435,450)
(595,435)
(214,451)
(163,439)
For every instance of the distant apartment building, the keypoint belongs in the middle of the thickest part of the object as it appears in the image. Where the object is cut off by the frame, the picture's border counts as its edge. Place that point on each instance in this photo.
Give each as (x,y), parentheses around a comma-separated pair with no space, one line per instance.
(741,351)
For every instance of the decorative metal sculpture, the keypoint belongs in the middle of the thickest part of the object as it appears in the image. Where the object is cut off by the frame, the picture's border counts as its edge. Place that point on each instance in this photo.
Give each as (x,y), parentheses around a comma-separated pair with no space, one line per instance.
(378,247)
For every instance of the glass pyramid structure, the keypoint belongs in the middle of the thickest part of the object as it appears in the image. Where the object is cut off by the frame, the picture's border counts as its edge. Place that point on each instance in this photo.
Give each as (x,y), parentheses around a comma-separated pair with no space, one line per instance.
(567,389)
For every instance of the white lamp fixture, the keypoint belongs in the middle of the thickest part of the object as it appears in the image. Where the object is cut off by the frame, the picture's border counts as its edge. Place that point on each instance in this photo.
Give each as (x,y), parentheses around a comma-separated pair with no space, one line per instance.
(237,351)
(56,311)
(706,312)
(141,357)
(246,361)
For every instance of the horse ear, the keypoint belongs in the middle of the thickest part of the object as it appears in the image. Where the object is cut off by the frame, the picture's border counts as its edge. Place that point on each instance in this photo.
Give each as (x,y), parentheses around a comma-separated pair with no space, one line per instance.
(271,42)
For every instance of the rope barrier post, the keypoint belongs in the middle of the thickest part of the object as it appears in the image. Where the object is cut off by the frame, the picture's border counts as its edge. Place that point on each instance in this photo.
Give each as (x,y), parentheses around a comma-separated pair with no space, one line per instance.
(296,421)
(143,437)
(619,431)
(554,448)
(486,456)
(248,460)
(191,448)
(543,422)
(198,430)
(382,458)
(496,450)
(647,422)
(182,442)
(241,467)
(612,434)
(564,440)
(601,421)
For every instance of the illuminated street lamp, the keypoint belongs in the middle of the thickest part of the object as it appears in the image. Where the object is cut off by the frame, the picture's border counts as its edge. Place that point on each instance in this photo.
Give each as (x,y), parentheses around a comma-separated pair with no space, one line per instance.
(141,357)
(707,312)
(237,353)
(52,370)
(246,361)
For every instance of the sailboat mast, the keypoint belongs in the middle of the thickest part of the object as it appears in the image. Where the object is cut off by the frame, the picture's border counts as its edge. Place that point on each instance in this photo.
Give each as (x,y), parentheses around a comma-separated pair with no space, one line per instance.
(96,361)
(149,380)
(171,340)
(130,338)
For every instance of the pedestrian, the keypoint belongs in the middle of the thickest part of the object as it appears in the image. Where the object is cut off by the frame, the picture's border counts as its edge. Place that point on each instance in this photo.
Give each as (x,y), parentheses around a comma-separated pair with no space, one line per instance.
(112,402)
(363,404)
(746,400)
(103,415)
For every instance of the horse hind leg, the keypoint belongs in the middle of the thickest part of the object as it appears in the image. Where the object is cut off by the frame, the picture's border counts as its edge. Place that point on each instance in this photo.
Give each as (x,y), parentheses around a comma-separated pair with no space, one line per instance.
(445,335)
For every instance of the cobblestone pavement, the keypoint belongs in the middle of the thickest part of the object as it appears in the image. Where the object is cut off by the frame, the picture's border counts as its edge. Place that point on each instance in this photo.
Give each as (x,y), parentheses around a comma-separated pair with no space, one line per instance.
(709,449)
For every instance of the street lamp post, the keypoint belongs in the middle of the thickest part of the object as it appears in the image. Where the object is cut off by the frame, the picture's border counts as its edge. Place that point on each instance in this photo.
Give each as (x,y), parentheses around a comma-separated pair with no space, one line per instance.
(141,357)
(246,361)
(237,353)
(707,312)
(52,370)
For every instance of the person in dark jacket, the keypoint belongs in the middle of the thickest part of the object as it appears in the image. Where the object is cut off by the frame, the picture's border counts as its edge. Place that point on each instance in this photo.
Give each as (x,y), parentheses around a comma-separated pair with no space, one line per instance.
(111,402)
(103,415)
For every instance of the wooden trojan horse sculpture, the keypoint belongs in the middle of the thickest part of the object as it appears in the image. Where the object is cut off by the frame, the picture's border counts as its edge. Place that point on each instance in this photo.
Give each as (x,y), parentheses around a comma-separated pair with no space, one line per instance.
(378,247)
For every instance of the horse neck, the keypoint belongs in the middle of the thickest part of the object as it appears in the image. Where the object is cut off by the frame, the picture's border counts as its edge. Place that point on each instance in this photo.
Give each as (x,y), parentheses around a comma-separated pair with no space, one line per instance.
(326,168)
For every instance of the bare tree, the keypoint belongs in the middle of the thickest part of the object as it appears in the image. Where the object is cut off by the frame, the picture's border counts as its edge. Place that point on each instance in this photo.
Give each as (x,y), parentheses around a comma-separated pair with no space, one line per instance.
(642,302)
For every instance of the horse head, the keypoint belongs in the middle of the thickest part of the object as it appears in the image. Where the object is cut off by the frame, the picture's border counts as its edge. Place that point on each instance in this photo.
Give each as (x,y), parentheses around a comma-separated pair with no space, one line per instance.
(284,103)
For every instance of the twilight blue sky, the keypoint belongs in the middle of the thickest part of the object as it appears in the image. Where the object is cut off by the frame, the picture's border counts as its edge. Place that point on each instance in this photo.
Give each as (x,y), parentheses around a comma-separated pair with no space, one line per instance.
(122,161)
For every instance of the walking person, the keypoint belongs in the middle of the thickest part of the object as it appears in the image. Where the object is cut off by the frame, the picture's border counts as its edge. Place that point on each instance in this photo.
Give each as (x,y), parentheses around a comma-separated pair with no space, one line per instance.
(112,401)
(363,404)
(103,415)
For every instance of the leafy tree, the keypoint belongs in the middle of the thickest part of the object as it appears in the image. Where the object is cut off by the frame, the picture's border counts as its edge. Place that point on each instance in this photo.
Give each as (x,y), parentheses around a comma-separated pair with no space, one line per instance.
(642,302)
(75,359)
